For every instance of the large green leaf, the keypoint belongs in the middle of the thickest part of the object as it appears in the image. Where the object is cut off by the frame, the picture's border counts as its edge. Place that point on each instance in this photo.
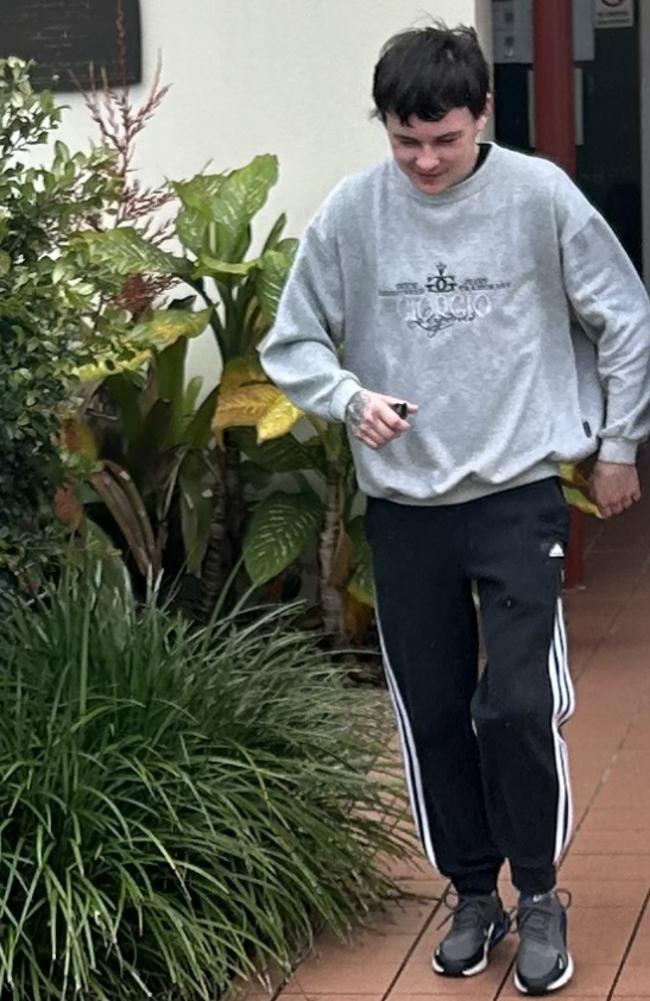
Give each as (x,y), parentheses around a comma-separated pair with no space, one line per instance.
(126,396)
(165,326)
(240,197)
(149,441)
(199,190)
(271,278)
(170,377)
(129,253)
(275,235)
(282,526)
(362,582)
(218,209)
(282,455)
(199,429)
(211,267)
(170,370)
(196,480)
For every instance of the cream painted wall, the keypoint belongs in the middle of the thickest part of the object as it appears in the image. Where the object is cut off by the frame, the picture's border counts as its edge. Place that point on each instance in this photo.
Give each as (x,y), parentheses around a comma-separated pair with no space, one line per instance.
(290,77)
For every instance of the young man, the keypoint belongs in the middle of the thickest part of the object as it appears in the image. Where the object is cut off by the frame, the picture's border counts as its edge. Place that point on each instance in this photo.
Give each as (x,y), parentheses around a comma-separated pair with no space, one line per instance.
(453,278)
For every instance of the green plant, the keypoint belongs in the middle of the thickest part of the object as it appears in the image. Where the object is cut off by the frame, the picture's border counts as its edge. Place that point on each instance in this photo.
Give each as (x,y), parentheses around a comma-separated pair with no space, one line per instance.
(180,807)
(320,517)
(47,324)
(148,460)
(214,227)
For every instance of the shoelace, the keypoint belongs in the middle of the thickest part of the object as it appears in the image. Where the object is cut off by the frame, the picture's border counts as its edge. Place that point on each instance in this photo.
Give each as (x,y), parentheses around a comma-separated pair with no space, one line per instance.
(536,916)
(463,912)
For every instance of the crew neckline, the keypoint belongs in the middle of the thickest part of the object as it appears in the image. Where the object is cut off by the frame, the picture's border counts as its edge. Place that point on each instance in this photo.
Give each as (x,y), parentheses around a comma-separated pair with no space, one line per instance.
(474,182)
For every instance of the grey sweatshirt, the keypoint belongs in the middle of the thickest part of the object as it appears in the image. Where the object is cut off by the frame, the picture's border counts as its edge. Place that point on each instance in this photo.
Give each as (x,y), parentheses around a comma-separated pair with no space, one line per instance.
(504,307)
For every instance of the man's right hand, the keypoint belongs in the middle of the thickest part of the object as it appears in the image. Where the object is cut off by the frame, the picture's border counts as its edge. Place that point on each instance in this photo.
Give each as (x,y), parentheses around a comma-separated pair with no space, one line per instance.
(370,418)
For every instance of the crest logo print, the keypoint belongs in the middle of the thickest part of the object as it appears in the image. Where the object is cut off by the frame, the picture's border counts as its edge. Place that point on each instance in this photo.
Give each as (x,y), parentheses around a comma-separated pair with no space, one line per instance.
(441,282)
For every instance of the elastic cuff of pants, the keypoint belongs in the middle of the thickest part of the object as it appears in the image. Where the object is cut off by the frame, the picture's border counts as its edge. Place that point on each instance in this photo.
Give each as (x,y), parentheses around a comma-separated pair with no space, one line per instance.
(482,882)
(532,882)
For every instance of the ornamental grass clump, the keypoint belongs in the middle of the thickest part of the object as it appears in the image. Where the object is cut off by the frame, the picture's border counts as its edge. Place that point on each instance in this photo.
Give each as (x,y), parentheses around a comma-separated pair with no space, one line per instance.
(179,807)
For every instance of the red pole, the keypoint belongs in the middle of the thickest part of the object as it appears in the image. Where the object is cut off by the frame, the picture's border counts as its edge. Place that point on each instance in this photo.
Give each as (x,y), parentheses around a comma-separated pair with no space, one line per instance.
(555,138)
(554,87)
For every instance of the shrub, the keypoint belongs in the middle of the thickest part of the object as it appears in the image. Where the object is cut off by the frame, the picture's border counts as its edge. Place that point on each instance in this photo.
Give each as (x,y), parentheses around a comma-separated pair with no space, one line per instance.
(179,807)
(47,325)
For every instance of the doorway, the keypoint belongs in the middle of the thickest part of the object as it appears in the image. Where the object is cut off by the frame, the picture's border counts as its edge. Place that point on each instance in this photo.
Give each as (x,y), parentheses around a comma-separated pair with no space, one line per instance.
(609,93)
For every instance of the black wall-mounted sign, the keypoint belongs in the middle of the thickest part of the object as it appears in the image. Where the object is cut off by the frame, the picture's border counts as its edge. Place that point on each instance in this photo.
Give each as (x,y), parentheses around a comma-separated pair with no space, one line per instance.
(66,36)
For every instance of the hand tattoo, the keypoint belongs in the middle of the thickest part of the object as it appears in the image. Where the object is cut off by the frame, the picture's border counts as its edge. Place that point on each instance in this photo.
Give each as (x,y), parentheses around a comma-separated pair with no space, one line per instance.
(356,409)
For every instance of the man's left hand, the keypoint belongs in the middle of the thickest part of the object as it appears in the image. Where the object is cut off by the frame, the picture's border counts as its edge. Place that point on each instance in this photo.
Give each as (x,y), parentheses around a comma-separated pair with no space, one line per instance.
(614,487)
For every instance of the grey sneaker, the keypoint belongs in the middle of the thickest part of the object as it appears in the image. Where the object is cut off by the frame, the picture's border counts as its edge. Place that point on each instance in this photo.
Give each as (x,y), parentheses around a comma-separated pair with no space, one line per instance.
(543,961)
(478,923)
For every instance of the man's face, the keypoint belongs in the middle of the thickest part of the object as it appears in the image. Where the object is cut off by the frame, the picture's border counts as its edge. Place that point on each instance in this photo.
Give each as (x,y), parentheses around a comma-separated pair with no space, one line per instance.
(436,155)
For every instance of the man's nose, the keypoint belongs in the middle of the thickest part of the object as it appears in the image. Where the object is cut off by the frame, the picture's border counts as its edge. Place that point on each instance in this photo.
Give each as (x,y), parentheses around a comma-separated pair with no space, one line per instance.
(428,159)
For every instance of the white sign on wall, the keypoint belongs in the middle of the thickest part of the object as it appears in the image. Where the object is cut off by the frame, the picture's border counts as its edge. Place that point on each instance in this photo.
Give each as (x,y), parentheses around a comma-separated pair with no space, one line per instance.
(614,13)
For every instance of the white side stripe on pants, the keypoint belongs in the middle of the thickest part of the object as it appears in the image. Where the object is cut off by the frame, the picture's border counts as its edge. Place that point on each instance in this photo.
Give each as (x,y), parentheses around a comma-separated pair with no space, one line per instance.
(409,753)
(563,706)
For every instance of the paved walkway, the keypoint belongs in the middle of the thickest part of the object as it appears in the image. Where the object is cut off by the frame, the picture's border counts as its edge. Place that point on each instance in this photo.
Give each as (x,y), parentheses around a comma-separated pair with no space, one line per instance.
(608,865)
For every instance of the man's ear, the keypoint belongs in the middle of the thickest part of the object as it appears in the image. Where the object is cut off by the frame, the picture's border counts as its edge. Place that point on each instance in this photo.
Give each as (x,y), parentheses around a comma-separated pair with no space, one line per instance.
(486,114)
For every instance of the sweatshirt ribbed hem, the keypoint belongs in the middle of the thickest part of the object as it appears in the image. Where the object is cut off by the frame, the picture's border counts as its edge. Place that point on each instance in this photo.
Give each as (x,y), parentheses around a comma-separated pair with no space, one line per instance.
(618,450)
(467,490)
(343,393)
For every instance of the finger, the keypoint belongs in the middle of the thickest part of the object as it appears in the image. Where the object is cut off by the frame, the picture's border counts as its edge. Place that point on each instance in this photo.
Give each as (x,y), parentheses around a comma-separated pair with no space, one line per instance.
(380,429)
(387,418)
(369,436)
(387,425)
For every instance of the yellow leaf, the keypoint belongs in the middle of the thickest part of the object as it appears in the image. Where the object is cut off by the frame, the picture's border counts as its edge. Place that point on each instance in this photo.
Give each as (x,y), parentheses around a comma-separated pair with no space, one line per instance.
(104,367)
(279,418)
(577,499)
(240,371)
(571,474)
(243,407)
(78,438)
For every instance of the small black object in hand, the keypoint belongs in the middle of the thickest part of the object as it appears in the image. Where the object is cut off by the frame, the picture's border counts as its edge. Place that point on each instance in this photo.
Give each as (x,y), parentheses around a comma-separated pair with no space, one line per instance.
(400,409)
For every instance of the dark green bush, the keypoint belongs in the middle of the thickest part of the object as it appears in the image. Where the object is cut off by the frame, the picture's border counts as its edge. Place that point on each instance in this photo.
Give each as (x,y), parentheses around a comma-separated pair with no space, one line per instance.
(178,807)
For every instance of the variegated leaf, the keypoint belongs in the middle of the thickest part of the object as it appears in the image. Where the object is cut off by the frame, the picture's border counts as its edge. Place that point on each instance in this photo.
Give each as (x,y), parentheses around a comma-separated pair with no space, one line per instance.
(128,253)
(165,326)
(279,419)
(271,278)
(243,407)
(212,267)
(239,371)
(107,366)
(282,526)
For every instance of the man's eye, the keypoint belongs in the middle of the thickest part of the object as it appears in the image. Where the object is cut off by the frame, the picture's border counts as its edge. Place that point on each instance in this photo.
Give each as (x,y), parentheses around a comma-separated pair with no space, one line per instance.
(447,142)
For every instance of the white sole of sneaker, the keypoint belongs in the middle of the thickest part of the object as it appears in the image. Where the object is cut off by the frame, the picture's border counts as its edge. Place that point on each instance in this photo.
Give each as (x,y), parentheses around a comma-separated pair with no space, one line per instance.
(473,970)
(560,982)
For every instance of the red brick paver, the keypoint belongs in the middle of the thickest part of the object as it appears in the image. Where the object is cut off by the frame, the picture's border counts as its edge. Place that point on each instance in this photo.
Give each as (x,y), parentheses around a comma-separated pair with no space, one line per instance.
(607,867)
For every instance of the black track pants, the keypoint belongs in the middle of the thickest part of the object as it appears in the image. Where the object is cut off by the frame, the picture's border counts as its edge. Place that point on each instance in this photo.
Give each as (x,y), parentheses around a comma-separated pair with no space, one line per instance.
(485,763)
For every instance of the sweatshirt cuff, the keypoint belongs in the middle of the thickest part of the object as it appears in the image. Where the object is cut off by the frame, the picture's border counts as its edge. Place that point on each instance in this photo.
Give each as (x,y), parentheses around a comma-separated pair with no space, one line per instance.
(618,450)
(342,396)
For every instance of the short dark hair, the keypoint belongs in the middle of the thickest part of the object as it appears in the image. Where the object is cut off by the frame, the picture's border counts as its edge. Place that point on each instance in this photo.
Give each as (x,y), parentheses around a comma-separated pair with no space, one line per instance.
(428,71)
